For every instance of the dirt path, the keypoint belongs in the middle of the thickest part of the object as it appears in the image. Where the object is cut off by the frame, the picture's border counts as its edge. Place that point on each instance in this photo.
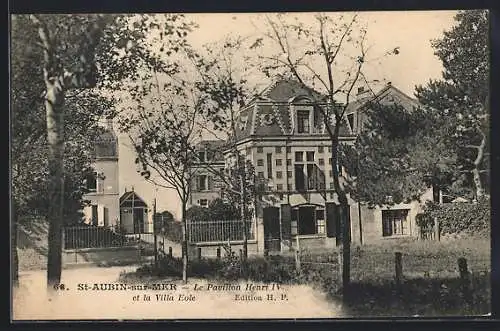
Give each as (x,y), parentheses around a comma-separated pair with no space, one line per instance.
(31,300)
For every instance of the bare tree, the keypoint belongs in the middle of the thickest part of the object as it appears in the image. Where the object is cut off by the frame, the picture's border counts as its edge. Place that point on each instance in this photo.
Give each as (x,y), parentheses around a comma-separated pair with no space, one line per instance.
(163,130)
(222,79)
(329,57)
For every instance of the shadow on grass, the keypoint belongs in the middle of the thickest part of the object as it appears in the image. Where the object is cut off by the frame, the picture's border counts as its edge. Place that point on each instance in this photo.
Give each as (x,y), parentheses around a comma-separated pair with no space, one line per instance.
(420,296)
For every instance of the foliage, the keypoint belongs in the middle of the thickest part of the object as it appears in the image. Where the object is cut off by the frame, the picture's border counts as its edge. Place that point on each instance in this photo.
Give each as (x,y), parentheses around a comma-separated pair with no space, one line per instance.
(462,218)
(29,139)
(463,94)
(399,154)
(218,210)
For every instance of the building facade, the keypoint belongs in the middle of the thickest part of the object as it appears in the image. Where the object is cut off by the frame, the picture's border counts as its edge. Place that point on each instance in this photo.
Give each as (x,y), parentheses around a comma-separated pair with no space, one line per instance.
(282,133)
(103,185)
(206,184)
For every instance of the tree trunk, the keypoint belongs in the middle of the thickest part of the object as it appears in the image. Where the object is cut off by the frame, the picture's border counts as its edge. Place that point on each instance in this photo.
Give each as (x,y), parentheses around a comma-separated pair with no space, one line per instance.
(15,258)
(243,216)
(184,244)
(54,106)
(476,171)
(345,221)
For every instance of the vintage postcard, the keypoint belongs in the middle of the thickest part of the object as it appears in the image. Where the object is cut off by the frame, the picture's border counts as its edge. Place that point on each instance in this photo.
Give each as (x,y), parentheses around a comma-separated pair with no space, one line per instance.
(250,165)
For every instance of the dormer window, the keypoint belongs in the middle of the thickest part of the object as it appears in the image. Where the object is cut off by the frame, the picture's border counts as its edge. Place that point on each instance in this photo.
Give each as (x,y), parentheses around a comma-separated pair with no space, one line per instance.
(303,121)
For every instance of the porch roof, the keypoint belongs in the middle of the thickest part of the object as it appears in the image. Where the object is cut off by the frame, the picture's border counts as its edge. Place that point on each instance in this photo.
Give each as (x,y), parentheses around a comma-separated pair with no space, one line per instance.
(131,199)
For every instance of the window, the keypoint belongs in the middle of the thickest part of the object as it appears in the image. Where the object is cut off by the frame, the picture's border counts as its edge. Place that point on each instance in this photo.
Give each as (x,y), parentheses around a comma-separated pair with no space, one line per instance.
(202,182)
(300,180)
(278,162)
(269,165)
(329,149)
(91,181)
(310,156)
(260,162)
(260,149)
(204,203)
(201,156)
(330,161)
(321,149)
(260,174)
(331,173)
(289,174)
(279,187)
(307,220)
(299,156)
(394,222)
(288,149)
(278,150)
(248,151)
(332,186)
(321,161)
(279,174)
(350,118)
(288,161)
(303,121)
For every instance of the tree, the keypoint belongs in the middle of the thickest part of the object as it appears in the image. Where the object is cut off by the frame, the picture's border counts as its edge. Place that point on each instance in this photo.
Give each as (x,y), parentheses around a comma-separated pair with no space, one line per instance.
(225,87)
(163,131)
(463,93)
(329,57)
(398,155)
(73,60)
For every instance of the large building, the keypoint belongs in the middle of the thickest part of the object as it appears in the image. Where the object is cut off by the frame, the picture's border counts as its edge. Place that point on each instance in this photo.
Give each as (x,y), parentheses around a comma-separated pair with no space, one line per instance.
(284,136)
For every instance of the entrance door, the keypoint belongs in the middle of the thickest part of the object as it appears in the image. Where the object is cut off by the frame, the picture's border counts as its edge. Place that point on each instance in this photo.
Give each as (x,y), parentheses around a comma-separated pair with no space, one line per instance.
(138,220)
(272,241)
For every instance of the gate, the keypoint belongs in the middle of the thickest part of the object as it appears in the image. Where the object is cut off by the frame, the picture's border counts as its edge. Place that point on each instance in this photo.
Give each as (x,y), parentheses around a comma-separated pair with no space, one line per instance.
(272,233)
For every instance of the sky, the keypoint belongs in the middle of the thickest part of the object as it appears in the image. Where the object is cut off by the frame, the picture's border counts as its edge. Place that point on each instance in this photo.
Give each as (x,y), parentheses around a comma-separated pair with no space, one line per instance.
(416,64)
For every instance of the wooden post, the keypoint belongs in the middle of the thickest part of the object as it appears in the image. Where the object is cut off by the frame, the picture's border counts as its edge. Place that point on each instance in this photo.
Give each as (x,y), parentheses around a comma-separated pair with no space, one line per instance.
(437,235)
(465,279)
(297,254)
(170,251)
(398,268)
(218,253)
(198,255)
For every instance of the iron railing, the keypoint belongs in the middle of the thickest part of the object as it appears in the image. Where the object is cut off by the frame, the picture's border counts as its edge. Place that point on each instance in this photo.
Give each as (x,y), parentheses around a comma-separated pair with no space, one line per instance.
(219,231)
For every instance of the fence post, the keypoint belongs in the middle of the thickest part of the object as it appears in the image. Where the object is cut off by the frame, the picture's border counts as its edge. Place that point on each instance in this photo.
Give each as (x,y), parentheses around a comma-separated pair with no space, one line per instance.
(170,251)
(218,253)
(198,253)
(437,234)
(465,279)
(398,267)
(297,255)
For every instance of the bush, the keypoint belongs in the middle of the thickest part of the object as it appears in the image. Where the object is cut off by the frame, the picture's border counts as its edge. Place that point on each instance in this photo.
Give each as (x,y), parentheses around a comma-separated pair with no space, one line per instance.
(456,218)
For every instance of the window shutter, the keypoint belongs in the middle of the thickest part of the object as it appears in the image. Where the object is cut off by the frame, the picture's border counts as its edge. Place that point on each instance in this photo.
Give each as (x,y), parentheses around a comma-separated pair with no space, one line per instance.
(210,183)
(332,220)
(286,222)
(100,215)
(194,183)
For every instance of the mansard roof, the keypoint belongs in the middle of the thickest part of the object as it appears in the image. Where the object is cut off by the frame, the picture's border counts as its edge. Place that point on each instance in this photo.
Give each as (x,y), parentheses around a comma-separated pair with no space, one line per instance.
(270,112)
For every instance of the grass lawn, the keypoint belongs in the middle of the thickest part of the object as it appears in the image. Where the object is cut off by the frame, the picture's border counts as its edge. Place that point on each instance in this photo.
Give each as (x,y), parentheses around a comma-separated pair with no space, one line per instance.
(431,285)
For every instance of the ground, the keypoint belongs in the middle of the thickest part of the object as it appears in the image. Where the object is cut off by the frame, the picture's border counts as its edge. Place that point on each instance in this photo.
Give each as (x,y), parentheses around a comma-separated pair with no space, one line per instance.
(31,301)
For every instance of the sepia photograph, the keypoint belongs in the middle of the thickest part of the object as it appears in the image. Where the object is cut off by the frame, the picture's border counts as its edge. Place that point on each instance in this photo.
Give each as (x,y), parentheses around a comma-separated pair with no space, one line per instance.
(292,165)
